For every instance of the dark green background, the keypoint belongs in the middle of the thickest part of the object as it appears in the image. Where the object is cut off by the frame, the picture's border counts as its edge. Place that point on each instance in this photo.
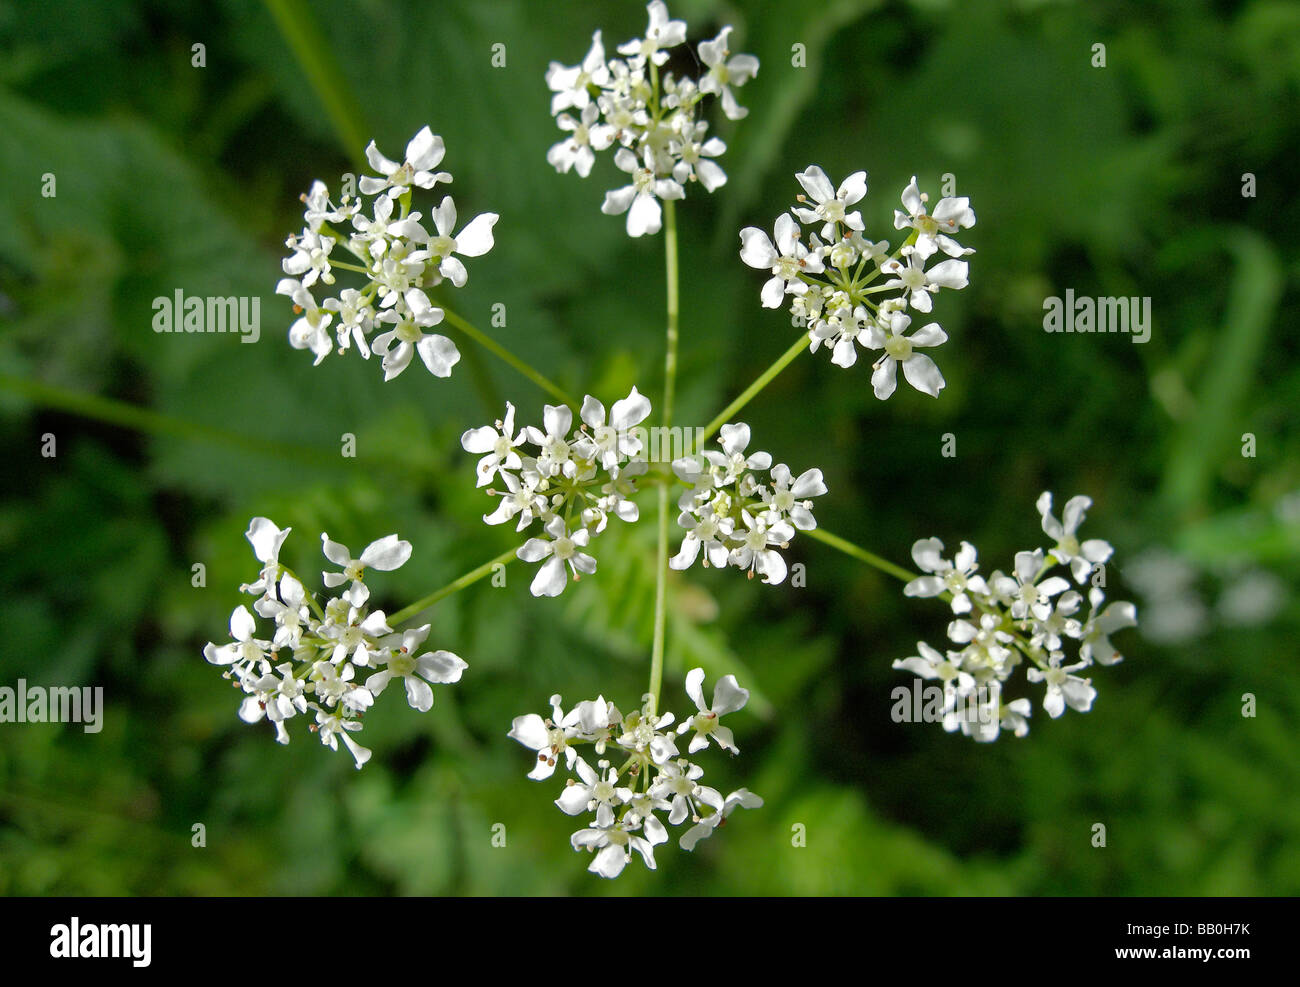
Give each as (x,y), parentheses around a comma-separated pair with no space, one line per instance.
(1123,180)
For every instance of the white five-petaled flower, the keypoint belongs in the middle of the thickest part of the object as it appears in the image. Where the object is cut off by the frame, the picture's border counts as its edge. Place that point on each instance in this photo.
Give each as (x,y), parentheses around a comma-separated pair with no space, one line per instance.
(830,205)
(660,34)
(423,153)
(956,577)
(728,697)
(640,200)
(497,446)
(615,442)
(1063,688)
(725,72)
(586,137)
(948,216)
(570,84)
(742,798)
(385,554)
(474,240)
(920,371)
(332,726)
(918,284)
(441,667)
(787,259)
(1080,557)
(614,845)
(562,552)
(1032,594)
(407,337)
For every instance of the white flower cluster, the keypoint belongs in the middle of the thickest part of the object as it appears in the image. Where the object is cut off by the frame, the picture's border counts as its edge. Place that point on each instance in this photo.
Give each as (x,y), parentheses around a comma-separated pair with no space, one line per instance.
(325,647)
(569,480)
(1029,614)
(639,772)
(653,118)
(736,518)
(831,278)
(397,255)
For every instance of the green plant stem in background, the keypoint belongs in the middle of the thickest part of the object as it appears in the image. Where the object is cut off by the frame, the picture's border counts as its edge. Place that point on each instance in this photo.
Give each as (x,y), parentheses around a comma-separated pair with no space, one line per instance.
(749,393)
(300,31)
(671,278)
(672,289)
(861,554)
(455,586)
(124,415)
(492,346)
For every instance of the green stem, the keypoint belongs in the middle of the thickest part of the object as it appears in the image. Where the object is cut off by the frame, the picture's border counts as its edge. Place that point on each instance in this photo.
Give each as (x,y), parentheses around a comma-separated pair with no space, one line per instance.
(661,603)
(861,554)
(670,264)
(298,27)
(139,419)
(492,346)
(748,394)
(670,385)
(455,586)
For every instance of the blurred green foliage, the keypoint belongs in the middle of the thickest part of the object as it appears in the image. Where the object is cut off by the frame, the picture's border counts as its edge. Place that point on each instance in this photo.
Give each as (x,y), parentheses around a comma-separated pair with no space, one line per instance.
(1122,180)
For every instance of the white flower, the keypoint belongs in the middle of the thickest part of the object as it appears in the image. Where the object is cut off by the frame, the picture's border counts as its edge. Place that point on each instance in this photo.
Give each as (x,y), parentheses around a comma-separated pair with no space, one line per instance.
(1063,689)
(440,667)
(1068,551)
(640,199)
(570,85)
(311,331)
(556,452)
(562,553)
(931,664)
(788,259)
(678,781)
(724,73)
(757,549)
(918,283)
(438,352)
(385,554)
(956,577)
(728,697)
(613,443)
(474,240)
(615,846)
(661,33)
(522,498)
(1033,593)
(786,498)
(598,793)
(1095,642)
(920,371)
(332,726)
(310,258)
(356,319)
(831,204)
(499,444)
(948,216)
(550,738)
(586,137)
(1015,716)
(245,648)
(423,153)
(694,164)
(742,798)
(267,540)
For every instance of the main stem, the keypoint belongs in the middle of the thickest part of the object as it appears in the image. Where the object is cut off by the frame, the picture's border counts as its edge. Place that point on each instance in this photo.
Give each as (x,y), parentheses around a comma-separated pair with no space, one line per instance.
(670,386)
(455,586)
